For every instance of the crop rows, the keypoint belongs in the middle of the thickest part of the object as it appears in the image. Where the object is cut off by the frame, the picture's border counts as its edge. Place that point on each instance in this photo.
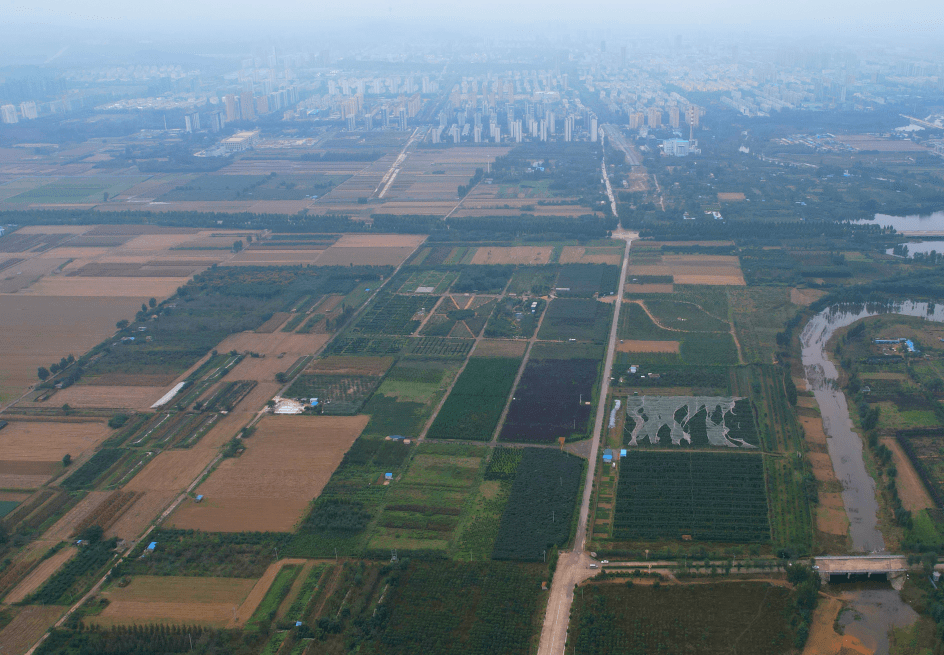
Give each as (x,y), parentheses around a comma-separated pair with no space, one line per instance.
(706,496)
(393,314)
(539,510)
(100,462)
(475,405)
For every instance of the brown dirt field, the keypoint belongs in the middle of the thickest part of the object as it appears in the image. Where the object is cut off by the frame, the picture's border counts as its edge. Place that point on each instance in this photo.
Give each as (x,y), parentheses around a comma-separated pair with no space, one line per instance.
(30,441)
(266,256)
(832,520)
(22,481)
(822,467)
(154,242)
(264,369)
(17,467)
(733,280)
(34,329)
(530,255)
(633,346)
(339,256)
(64,527)
(341,365)
(286,464)
(500,348)
(55,229)
(648,269)
(649,288)
(813,427)
(28,626)
(147,380)
(823,639)
(16,496)
(110,287)
(914,497)
(246,610)
(171,599)
(380,240)
(123,397)
(805,297)
(705,269)
(273,323)
(40,574)
(581,255)
(730,196)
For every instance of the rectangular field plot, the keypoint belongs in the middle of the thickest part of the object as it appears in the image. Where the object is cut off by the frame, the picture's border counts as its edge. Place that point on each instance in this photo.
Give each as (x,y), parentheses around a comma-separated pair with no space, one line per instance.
(575,318)
(705,496)
(614,618)
(475,405)
(698,421)
(336,394)
(287,462)
(552,400)
(429,282)
(395,314)
(459,316)
(515,318)
(174,600)
(584,280)
(685,316)
(541,504)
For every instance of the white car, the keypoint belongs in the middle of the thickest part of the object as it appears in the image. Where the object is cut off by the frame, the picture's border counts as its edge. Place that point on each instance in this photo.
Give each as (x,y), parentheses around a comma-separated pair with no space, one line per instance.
(606,561)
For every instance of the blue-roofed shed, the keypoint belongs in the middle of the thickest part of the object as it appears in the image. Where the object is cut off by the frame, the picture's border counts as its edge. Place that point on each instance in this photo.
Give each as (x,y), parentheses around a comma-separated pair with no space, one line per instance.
(608,455)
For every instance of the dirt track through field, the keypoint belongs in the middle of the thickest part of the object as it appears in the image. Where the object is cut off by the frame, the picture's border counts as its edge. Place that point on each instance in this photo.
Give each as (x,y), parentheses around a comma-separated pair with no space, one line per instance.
(259,590)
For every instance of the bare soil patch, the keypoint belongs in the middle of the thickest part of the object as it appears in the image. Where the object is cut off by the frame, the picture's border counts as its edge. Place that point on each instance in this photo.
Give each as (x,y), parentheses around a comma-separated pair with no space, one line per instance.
(377,256)
(119,397)
(500,348)
(813,428)
(823,639)
(273,323)
(48,441)
(286,464)
(64,527)
(40,574)
(822,467)
(110,287)
(171,599)
(531,255)
(258,592)
(634,346)
(380,241)
(28,626)
(730,196)
(341,365)
(913,495)
(805,297)
(705,269)
(270,346)
(266,256)
(591,255)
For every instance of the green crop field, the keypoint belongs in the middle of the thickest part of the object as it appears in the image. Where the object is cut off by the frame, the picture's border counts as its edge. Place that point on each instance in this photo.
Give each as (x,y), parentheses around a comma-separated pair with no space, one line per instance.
(476,402)
(576,318)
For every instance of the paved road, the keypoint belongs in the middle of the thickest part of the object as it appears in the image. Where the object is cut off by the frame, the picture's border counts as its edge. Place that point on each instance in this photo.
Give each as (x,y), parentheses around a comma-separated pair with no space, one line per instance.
(619,141)
(573,566)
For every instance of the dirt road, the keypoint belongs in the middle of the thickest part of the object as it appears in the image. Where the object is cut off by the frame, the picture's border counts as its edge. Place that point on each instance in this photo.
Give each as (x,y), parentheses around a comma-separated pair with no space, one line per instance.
(573,566)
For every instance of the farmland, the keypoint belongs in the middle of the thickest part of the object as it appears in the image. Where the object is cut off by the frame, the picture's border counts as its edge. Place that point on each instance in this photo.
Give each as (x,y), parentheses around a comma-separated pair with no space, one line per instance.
(614,618)
(474,406)
(574,318)
(690,421)
(263,490)
(394,314)
(552,400)
(708,496)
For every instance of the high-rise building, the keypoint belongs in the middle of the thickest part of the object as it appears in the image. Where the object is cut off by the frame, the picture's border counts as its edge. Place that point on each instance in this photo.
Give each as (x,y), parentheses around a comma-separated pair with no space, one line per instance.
(655,117)
(8,114)
(674,116)
(593,129)
(216,121)
(247,108)
(569,128)
(402,114)
(192,122)
(434,134)
(232,108)
(477,134)
(28,109)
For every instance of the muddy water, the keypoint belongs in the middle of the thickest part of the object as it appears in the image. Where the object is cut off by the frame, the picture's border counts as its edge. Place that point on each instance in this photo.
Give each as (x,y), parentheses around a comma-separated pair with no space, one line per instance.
(875,609)
(844,445)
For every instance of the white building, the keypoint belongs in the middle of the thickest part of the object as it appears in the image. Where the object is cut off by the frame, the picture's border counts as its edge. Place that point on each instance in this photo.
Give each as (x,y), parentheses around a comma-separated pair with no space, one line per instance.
(8,114)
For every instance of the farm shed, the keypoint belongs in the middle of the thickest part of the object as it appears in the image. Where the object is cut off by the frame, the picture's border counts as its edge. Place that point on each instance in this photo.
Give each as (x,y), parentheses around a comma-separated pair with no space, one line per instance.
(608,455)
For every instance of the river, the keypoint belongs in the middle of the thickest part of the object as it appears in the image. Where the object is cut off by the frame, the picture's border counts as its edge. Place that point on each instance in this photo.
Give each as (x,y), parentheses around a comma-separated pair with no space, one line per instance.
(877,609)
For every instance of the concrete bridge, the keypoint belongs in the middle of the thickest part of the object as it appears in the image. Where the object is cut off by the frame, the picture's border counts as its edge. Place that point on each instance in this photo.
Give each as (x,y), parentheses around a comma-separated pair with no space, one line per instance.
(893,567)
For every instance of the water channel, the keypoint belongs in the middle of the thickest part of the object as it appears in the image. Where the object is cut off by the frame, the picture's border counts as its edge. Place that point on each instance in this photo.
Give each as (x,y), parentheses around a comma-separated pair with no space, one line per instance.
(876,608)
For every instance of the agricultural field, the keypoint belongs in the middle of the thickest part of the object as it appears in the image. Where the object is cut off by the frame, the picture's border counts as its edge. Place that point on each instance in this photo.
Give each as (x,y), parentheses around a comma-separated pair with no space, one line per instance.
(287,462)
(436,281)
(474,406)
(701,495)
(31,452)
(591,255)
(459,316)
(696,348)
(576,319)
(587,280)
(695,421)
(541,504)
(724,270)
(394,314)
(553,399)
(536,280)
(515,318)
(519,255)
(173,600)
(643,618)
(73,191)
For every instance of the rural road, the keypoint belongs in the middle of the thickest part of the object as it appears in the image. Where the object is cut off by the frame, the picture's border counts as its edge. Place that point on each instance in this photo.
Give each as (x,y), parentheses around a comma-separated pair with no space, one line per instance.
(573,566)
(619,140)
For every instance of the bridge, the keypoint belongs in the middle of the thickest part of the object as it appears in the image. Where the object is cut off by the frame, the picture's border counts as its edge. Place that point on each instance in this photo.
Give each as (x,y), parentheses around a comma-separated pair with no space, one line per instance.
(893,567)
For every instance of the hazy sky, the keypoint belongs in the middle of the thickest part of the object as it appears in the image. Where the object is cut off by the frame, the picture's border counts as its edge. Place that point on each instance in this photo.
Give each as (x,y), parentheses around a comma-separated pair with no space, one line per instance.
(923,15)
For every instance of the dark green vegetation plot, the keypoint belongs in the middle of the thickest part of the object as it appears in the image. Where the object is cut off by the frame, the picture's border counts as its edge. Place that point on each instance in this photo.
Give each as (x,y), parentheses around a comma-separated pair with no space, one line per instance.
(708,496)
(697,348)
(552,400)
(539,511)
(394,314)
(191,639)
(460,608)
(483,279)
(473,408)
(574,318)
(215,304)
(515,318)
(205,554)
(70,580)
(585,280)
(749,618)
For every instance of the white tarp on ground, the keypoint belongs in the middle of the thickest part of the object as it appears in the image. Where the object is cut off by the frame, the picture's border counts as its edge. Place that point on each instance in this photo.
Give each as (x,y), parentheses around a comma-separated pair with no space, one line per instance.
(649,414)
(167,397)
(287,406)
